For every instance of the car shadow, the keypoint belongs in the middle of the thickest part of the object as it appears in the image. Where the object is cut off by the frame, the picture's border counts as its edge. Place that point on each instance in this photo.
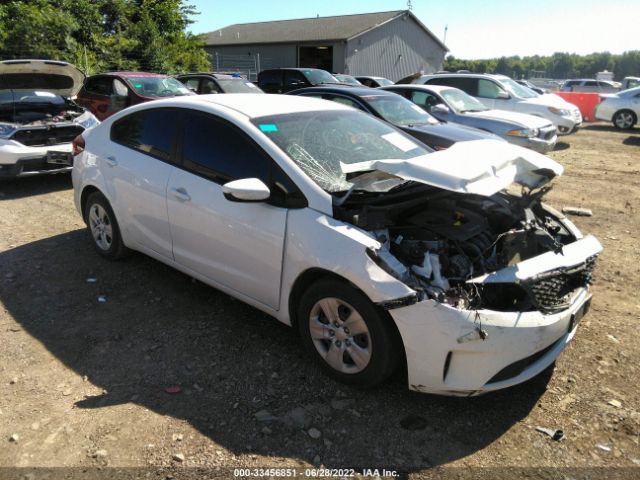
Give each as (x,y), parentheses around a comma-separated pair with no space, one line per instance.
(601,127)
(15,188)
(227,362)
(561,146)
(633,140)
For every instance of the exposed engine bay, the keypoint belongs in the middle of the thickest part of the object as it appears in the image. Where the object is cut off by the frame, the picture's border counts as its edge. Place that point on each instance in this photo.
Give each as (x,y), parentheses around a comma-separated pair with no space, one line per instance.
(39,114)
(436,241)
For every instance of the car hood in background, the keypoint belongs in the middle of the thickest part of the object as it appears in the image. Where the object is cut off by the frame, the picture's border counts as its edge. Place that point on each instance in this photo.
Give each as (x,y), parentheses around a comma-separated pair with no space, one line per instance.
(550,100)
(523,119)
(60,78)
(453,132)
(482,167)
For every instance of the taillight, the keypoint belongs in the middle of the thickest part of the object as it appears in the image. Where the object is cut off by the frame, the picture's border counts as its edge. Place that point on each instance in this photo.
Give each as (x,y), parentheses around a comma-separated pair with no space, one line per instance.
(77,146)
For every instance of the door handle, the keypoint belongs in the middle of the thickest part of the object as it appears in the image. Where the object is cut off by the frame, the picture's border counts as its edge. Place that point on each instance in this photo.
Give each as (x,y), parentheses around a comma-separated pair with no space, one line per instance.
(181,194)
(111,161)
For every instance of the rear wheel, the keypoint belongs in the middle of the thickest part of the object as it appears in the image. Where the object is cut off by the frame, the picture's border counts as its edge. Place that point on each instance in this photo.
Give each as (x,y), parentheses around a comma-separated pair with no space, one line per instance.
(103,227)
(349,336)
(624,119)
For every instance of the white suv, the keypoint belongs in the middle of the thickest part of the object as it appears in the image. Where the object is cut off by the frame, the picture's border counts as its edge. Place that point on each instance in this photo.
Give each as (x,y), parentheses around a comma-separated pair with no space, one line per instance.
(502,93)
(38,119)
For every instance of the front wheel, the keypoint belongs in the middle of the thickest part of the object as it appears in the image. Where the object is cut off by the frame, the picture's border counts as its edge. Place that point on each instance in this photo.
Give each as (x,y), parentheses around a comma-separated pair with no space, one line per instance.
(624,119)
(103,227)
(349,336)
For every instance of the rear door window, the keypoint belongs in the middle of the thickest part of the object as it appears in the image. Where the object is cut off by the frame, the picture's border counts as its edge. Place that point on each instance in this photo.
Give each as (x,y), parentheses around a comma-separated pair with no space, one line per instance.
(100,86)
(488,88)
(209,86)
(294,78)
(425,99)
(192,83)
(150,131)
(271,78)
(466,84)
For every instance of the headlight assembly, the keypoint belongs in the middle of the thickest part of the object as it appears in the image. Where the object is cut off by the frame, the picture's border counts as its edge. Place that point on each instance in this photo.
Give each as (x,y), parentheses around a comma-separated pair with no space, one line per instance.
(6,130)
(87,120)
(523,132)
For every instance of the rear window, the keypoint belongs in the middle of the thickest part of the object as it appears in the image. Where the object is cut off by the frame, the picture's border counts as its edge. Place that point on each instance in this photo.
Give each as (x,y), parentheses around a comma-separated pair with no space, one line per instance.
(150,131)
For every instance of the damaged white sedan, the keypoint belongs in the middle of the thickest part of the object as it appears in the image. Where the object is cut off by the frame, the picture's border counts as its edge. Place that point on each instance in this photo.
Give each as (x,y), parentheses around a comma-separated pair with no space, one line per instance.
(376,249)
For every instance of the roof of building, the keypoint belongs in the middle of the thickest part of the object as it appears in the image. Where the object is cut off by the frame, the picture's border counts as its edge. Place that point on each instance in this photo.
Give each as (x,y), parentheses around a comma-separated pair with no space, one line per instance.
(316,29)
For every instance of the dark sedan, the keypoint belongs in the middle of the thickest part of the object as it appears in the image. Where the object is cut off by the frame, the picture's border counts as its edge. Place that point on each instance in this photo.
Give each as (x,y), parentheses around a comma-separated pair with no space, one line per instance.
(400,112)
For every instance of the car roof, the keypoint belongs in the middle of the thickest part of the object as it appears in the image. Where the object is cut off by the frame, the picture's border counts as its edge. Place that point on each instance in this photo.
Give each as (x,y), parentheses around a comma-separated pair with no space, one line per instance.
(298,69)
(252,105)
(432,87)
(350,90)
(371,77)
(225,76)
(132,74)
(475,75)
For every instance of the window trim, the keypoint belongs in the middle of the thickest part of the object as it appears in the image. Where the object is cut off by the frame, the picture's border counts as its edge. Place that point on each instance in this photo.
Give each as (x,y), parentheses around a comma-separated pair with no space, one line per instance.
(172,160)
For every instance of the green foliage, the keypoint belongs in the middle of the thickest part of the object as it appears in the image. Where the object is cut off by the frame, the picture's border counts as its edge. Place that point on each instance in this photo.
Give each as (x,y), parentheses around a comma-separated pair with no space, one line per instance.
(101,35)
(558,66)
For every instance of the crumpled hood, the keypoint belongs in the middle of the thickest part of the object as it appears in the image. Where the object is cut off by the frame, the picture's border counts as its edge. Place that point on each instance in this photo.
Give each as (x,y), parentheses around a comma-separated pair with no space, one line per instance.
(528,121)
(481,167)
(60,78)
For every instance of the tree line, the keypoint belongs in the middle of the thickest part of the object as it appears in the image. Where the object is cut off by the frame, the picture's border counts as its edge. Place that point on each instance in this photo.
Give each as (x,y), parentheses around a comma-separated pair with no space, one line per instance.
(557,66)
(103,35)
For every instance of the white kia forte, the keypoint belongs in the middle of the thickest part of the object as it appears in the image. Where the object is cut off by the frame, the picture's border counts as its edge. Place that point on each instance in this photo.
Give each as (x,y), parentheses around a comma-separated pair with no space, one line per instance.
(380,252)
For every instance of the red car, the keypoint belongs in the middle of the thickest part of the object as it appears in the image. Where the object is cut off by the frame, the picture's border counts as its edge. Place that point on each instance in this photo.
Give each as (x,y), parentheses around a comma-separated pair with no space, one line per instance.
(108,93)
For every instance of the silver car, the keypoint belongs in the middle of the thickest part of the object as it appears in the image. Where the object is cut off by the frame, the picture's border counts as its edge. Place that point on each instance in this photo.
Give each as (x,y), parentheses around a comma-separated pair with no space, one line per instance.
(449,104)
(623,108)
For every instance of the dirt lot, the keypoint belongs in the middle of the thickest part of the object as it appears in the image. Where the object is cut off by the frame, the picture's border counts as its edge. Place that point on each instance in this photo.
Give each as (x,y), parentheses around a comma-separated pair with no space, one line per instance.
(83,383)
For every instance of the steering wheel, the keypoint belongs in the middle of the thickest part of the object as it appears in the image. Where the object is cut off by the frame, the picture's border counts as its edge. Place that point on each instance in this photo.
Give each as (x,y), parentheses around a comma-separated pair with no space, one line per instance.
(165,92)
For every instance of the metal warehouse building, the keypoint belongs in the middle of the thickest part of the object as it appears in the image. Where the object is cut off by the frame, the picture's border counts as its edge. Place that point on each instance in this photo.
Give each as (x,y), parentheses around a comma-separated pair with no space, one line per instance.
(387,44)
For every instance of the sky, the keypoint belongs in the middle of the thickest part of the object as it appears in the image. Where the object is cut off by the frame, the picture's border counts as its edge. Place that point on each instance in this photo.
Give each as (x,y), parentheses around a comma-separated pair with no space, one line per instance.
(475,29)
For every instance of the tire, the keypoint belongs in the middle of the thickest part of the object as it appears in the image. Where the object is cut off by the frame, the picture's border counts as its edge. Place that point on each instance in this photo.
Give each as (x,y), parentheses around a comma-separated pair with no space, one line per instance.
(103,227)
(624,119)
(364,357)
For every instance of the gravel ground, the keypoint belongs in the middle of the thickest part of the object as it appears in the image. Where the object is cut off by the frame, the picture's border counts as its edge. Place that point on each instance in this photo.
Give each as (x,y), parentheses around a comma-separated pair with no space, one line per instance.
(168,374)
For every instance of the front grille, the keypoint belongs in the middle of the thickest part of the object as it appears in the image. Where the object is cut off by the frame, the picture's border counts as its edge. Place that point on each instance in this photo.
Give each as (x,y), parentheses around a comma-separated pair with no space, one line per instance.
(547,134)
(45,136)
(552,291)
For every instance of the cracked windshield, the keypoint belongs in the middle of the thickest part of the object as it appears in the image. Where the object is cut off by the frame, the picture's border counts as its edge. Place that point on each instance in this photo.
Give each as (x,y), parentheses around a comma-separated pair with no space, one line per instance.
(318,142)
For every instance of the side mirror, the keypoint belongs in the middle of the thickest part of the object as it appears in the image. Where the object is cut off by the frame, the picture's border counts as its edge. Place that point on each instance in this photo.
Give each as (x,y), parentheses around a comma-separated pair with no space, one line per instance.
(246,190)
(503,96)
(118,102)
(440,108)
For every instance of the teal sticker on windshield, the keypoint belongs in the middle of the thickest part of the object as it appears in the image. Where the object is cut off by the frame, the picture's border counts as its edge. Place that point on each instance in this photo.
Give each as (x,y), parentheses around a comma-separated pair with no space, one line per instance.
(138,85)
(268,127)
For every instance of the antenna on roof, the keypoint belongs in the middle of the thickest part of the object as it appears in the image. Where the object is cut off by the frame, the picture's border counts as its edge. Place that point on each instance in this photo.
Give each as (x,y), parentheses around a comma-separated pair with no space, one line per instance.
(409,6)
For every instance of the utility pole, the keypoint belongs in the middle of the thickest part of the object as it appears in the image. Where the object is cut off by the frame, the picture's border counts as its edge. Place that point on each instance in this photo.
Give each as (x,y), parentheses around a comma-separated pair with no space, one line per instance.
(446,27)
(409,6)
(86,63)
